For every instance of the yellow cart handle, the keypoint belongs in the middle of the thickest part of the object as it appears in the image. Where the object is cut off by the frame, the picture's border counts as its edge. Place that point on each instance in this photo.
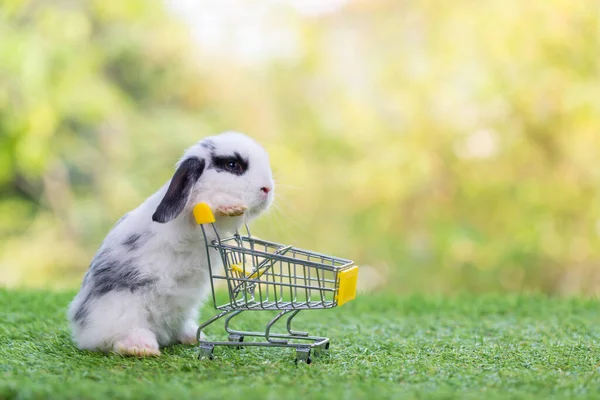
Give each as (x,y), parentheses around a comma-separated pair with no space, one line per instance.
(203,214)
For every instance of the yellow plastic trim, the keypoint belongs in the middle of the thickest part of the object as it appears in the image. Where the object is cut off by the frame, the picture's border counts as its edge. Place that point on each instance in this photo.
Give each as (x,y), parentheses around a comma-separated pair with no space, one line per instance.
(347,285)
(250,275)
(203,214)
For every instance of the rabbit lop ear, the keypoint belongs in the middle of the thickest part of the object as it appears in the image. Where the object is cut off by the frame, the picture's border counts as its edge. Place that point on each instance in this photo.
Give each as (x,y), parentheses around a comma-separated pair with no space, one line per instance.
(179,190)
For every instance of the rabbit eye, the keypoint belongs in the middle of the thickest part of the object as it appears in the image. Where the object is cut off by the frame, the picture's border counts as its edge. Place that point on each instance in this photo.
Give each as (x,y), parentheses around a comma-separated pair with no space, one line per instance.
(234,166)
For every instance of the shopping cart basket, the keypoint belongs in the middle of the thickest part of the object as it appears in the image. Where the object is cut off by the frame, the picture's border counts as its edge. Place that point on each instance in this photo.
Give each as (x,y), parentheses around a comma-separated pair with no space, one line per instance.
(261,275)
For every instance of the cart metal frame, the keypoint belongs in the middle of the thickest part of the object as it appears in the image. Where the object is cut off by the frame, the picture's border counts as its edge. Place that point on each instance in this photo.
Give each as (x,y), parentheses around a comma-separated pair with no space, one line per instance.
(261,275)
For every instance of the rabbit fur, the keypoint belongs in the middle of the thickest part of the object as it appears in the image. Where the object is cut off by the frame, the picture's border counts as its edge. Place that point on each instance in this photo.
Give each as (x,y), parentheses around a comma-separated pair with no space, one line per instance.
(150,275)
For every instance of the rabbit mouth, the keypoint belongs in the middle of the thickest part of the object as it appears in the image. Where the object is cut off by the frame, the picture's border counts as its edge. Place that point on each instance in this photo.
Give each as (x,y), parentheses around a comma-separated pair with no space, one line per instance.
(260,205)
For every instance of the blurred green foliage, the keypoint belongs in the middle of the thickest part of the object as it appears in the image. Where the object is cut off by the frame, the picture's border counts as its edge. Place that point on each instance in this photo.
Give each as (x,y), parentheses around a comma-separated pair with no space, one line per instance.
(442,145)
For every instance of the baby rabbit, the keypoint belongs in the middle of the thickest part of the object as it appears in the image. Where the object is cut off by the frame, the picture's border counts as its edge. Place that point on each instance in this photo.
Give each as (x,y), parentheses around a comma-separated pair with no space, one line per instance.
(150,275)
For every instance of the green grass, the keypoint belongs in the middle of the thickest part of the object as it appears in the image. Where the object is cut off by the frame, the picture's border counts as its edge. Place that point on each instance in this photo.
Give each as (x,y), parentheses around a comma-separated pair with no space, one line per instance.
(382,346)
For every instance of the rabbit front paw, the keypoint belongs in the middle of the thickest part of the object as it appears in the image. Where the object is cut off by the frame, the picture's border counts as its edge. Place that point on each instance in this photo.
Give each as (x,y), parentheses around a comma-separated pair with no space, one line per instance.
(231,211)
(188,333)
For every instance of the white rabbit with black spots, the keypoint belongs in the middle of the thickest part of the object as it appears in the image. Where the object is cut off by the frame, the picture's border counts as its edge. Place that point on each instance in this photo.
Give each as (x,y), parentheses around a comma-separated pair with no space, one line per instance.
(150,276)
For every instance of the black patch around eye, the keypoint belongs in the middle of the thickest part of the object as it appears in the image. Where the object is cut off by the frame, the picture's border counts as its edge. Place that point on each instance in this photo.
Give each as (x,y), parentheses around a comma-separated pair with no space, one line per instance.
(224,164)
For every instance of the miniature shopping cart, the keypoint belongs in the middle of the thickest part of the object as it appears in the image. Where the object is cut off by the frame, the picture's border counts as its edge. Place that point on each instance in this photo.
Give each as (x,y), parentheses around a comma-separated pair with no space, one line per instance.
(261,275)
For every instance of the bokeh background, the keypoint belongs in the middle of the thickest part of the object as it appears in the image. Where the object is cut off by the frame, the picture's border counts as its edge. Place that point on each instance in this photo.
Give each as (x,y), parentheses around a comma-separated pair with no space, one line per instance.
(444,145)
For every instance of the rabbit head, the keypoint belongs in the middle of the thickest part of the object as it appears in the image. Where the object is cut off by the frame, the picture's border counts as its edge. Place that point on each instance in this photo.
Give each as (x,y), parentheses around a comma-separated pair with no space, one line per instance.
(225,170)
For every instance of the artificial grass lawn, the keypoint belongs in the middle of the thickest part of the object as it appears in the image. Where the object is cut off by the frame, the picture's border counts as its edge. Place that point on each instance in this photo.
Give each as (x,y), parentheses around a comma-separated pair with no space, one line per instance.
(382,346)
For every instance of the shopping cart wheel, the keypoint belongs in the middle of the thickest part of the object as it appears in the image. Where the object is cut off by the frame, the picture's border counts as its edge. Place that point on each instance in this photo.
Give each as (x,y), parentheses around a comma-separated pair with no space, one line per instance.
(234,337)
(303,355)
(206,351)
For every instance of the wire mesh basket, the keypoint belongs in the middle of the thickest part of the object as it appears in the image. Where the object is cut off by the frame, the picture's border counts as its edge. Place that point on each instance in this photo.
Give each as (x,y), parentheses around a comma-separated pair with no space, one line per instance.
(264,275)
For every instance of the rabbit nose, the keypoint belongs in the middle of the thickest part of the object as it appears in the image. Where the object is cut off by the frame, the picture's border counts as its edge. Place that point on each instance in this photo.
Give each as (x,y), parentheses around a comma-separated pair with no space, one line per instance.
(265,189)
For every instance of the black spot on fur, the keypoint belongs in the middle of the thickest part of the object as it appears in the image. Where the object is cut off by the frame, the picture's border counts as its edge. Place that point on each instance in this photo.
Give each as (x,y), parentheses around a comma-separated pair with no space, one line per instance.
(209,145)
(118,275)
(235,164)
(132,241)
(86,279)
(137,240)
(179,190)
(107,274)
(82,312)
